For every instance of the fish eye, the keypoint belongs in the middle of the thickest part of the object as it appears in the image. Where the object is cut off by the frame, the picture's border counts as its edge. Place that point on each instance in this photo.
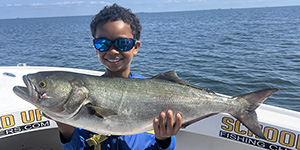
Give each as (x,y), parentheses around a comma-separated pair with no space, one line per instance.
(42,84)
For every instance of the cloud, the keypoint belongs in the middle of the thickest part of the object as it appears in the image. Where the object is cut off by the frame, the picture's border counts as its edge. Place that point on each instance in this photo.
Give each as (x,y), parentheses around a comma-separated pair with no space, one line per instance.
(100,2)
(12,5)
(57,3)
(173,1)
(37,4)
(196,0)
(69,3)
(183,1)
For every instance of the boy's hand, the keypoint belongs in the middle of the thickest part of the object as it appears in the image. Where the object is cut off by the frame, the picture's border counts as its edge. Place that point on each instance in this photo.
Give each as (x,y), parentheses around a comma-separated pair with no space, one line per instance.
(165,127)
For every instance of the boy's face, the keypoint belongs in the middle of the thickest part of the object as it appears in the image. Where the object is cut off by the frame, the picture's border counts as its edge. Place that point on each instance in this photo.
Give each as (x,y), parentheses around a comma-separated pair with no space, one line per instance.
(113,60)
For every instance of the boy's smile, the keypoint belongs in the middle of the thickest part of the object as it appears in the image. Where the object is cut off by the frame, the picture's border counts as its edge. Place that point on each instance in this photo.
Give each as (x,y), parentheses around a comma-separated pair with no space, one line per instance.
(116,62)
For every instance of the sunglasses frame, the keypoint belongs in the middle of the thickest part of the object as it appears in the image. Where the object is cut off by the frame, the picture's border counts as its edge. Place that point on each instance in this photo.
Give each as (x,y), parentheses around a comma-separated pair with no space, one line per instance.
(111,42)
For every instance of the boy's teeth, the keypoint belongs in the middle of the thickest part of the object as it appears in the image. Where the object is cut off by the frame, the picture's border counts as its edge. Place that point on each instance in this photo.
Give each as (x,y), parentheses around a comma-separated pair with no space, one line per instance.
(113,60)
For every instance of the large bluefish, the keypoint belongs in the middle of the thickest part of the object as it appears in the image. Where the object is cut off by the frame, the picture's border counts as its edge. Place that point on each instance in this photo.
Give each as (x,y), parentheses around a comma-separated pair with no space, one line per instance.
(121,106)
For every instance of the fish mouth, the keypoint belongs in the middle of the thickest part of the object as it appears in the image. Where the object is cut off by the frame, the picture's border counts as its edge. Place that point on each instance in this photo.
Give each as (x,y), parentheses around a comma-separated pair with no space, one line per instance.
(28,93)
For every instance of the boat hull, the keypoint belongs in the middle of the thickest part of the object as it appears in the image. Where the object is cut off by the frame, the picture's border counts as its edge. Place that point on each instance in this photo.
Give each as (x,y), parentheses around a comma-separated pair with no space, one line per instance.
(22,125)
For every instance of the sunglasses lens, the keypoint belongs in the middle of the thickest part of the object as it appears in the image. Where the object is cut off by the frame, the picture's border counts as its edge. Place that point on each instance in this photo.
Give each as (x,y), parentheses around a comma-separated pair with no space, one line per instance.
(125,44)
(102,44)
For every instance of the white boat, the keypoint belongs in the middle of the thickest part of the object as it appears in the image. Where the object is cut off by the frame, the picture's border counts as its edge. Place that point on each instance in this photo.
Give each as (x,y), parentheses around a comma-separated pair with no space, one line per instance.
(22,125)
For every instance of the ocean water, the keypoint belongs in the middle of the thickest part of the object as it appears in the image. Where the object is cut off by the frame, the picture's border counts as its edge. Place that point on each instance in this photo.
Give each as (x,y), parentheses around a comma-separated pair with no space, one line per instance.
(232,51)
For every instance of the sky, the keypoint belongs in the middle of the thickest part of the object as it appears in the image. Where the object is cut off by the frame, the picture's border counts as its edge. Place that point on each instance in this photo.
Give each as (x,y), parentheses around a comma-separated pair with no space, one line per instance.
(53,8)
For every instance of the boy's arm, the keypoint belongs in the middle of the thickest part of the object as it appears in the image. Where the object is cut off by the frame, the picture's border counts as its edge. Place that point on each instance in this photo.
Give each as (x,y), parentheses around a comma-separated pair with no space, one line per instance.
(66,132)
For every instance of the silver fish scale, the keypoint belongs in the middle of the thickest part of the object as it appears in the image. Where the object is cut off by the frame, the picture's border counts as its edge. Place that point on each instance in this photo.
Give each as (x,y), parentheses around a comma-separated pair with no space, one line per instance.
(146,98)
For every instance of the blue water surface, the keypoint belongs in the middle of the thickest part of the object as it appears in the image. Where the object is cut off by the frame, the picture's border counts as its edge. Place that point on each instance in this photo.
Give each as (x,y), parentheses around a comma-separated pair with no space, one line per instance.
(232,51)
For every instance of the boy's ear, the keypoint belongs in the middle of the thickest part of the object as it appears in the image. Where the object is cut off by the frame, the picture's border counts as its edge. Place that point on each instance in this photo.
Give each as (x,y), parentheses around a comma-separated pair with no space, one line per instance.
(136,47)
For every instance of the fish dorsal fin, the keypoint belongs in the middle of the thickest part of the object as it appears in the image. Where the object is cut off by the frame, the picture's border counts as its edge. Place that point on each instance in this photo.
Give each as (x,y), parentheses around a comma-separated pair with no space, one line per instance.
(169,76)
(172,76)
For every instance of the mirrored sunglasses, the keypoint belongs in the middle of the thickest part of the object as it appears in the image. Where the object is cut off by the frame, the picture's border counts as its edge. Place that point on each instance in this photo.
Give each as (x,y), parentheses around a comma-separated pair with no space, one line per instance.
(122,44)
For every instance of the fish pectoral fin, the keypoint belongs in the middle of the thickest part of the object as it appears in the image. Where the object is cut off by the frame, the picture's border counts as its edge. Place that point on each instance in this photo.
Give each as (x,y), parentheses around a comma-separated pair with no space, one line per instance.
(172,76)
(184,125)
(100,111)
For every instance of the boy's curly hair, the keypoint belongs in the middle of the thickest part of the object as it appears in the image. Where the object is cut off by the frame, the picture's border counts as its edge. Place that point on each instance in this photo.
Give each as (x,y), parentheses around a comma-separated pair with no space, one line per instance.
(115,13)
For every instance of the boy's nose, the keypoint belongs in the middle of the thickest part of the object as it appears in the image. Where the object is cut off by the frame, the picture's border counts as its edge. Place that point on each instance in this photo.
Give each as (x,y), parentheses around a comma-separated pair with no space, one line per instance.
(113,50)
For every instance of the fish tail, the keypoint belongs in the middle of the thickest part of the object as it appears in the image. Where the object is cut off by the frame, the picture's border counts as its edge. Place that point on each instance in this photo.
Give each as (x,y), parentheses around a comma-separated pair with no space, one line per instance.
(251,101)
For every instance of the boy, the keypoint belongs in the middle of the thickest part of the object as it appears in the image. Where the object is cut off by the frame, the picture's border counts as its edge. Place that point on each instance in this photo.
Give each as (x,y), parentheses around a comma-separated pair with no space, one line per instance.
(116,31)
